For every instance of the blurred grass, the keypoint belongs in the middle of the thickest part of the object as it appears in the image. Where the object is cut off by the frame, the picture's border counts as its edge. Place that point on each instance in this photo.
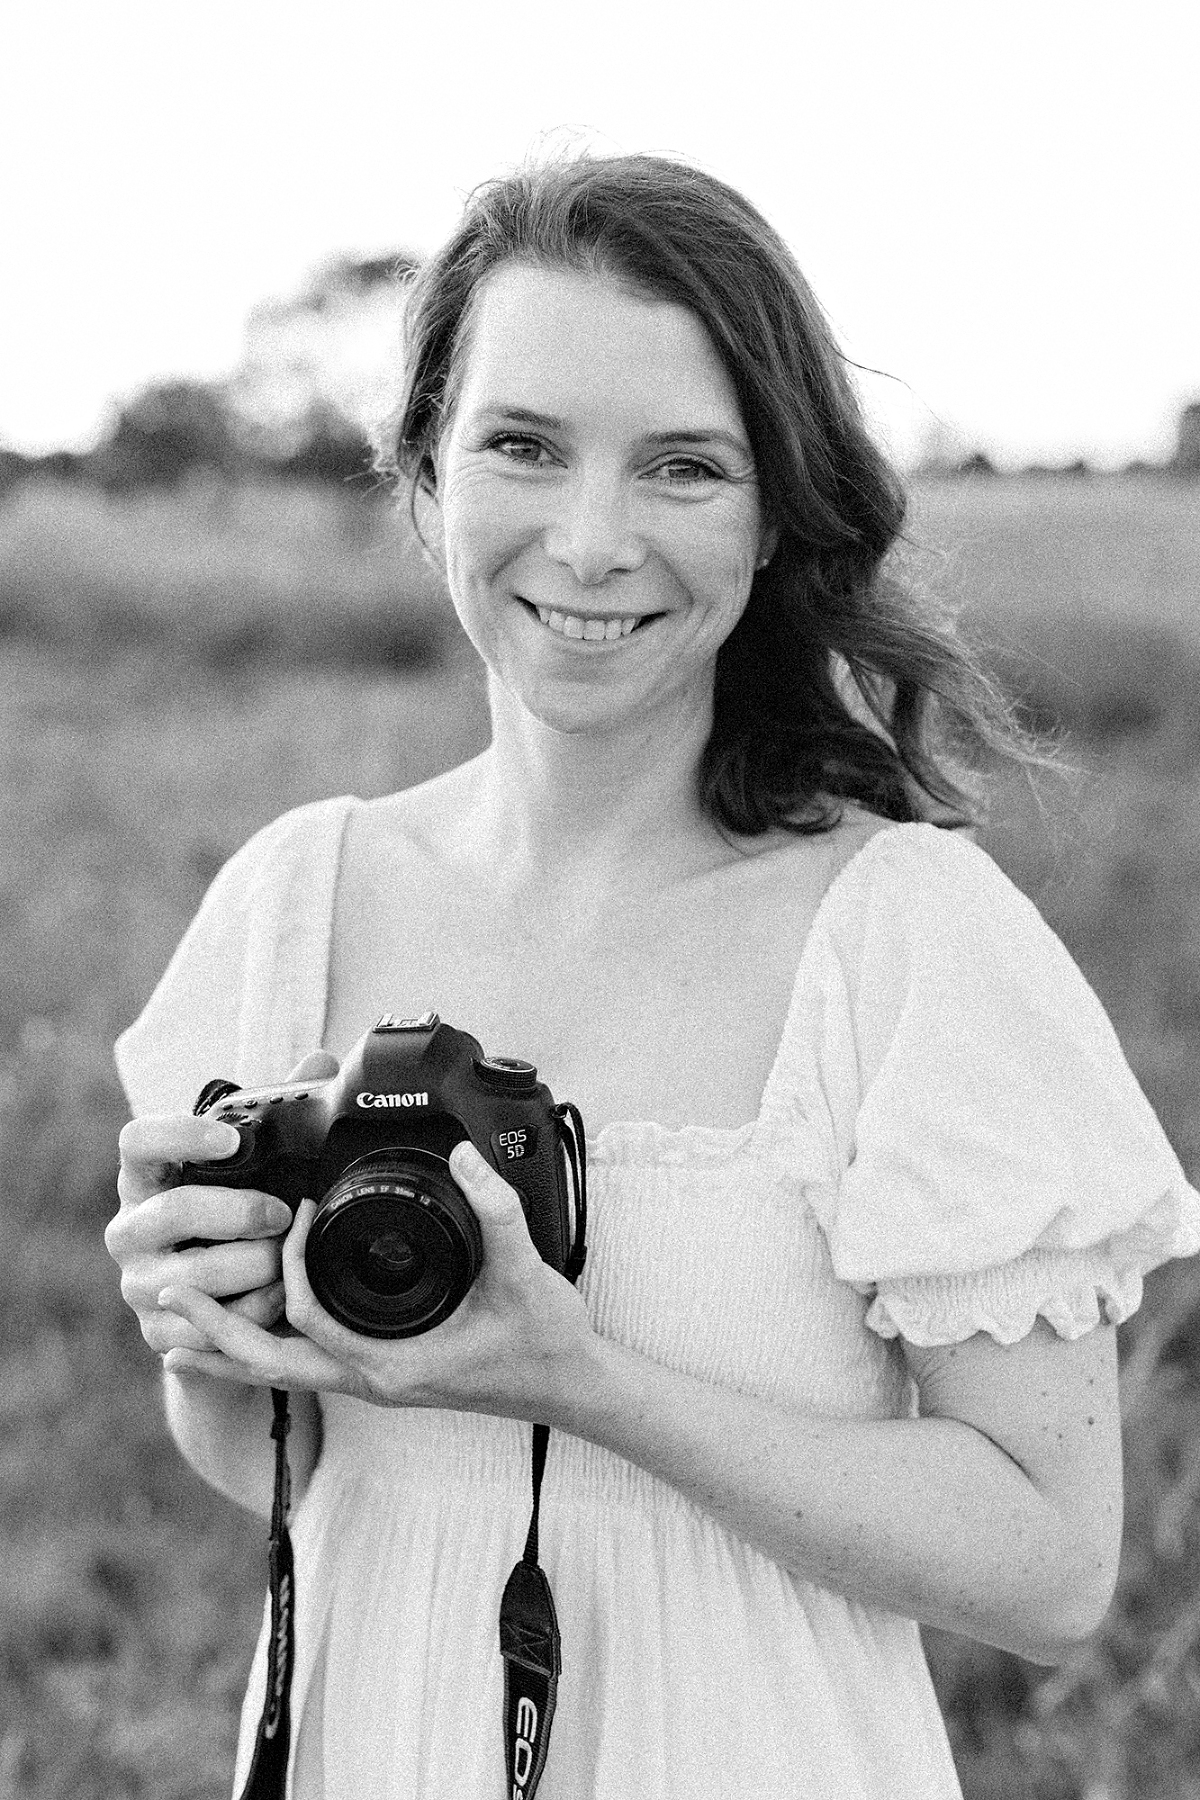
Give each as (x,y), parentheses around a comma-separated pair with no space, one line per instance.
(177,671)
(224,575)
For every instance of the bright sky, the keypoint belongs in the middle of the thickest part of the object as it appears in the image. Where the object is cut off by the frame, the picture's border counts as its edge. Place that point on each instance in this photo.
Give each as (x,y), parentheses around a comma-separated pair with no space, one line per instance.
(999,205)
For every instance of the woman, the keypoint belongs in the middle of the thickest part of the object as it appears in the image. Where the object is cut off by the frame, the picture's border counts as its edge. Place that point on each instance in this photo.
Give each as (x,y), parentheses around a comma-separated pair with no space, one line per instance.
(870,1180)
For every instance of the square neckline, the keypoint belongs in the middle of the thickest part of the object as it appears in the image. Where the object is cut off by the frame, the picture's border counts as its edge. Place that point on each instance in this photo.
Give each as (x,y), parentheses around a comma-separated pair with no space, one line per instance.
(626,1135)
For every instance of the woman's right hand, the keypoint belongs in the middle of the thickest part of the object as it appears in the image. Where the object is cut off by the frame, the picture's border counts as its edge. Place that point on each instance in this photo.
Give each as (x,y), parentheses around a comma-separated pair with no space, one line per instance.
(242,1229)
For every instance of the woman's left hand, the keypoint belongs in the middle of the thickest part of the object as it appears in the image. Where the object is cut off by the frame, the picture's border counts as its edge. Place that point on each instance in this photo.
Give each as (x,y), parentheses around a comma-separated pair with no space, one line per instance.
(516,1346)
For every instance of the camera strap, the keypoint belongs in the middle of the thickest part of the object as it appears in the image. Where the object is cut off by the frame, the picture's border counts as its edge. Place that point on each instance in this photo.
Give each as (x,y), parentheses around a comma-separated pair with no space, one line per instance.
(531,1648)
(267,1779)
(530,1643)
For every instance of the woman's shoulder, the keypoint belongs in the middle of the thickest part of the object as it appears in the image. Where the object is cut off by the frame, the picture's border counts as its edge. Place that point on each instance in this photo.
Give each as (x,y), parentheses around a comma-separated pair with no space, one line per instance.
(291,838)
(420,816)
(335,830)
(865,866)
(916,916)
(788,857)
(914,875)
(923,925)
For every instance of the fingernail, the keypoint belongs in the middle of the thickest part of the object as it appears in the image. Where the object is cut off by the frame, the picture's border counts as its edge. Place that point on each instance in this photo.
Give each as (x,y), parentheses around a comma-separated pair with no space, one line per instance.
(166,1297)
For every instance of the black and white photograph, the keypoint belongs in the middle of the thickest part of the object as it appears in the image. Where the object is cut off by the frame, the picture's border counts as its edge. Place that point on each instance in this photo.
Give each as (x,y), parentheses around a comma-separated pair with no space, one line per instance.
(600,902)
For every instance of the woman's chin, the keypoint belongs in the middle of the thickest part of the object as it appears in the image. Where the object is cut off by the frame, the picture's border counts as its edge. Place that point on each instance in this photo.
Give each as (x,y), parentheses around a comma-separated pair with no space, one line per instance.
(581,712)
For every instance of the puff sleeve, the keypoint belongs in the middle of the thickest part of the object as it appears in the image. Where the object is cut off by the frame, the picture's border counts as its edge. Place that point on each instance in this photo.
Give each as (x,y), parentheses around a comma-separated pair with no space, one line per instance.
(997,1159)
(244,994)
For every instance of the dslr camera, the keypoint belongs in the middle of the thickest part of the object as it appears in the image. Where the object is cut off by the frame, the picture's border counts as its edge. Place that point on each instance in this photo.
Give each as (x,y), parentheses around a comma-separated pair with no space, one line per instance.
(394,1246)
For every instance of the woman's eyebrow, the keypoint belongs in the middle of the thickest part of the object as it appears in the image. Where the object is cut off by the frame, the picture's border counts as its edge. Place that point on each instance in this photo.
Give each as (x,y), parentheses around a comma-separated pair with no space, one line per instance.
(713,435)
(524,415)
(520,415)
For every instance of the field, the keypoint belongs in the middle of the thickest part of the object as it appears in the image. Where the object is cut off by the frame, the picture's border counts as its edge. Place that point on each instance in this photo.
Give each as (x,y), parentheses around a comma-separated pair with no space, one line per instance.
(177,671)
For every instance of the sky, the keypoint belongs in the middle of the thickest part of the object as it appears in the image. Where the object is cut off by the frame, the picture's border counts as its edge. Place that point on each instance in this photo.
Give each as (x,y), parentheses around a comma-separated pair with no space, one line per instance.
(999,206)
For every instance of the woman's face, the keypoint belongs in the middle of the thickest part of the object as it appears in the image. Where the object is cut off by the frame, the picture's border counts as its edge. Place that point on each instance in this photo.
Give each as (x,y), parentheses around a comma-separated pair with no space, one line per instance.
(597,498)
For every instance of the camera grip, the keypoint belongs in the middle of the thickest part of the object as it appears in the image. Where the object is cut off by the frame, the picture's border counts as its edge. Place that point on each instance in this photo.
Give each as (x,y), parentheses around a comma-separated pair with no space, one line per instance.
(215,1172)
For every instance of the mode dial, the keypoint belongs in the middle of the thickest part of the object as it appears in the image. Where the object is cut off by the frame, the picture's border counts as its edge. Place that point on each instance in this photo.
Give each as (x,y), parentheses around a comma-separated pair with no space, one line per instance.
(507,1074)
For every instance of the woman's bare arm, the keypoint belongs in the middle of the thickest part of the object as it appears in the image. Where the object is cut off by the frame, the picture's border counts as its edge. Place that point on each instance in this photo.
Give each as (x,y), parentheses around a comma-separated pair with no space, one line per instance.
(224,1431)
(997,1513)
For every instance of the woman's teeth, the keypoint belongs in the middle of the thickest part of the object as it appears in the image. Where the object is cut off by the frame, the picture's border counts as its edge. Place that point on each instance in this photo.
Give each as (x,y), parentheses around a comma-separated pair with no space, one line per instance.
(573,626)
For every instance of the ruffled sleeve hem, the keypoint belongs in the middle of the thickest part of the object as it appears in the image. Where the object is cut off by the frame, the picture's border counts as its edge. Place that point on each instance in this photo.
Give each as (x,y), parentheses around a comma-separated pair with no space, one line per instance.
(1073,1290)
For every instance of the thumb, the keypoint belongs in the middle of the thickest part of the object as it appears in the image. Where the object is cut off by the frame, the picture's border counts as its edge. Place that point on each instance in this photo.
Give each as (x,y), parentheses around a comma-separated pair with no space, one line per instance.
(318,1065)
(495,1204)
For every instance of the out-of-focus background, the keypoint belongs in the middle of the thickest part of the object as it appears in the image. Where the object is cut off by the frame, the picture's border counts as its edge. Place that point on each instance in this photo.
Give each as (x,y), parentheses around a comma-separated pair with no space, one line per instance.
(209,611)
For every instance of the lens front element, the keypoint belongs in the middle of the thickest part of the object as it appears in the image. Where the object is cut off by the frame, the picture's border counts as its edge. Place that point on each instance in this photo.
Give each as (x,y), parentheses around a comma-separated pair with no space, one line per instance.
(394,1246)
(392,1264)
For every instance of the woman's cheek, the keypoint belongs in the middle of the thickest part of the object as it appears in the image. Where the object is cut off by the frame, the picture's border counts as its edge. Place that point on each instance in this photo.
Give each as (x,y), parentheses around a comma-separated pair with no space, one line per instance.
(484,530)
(722,539)
(718,570)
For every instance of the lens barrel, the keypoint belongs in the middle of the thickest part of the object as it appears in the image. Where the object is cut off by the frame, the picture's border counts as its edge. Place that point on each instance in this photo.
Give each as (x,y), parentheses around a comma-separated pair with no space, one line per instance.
(394,1246)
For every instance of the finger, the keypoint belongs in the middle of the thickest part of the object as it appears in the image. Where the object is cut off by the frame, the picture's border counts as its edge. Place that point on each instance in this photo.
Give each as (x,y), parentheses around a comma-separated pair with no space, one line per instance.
(203,1361)
(210,1213)
(318,1065)
(262,1307)
(153,1147)
(226,1269)
(167,1331)
(199,1361)
(266,1358)
(497,1206)
(226,1368)
(221,1270)
(164,1331)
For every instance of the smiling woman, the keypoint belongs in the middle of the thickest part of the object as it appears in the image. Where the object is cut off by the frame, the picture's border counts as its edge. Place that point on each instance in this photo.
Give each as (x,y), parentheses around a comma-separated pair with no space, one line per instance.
(871,1182)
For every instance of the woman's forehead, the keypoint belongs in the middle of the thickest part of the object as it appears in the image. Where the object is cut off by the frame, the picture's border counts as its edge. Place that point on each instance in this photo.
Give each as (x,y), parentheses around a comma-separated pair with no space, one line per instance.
(559,340)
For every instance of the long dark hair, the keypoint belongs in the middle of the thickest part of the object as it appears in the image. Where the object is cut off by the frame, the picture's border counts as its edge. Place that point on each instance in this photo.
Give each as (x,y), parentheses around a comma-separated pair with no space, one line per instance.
(842,681)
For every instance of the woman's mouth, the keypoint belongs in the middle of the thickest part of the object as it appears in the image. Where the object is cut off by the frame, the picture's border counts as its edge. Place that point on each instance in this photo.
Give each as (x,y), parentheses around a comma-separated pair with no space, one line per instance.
(592,628)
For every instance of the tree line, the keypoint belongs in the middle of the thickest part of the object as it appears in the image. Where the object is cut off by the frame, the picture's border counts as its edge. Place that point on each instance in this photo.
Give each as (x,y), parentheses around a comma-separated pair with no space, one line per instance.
(295,408)
(299,404)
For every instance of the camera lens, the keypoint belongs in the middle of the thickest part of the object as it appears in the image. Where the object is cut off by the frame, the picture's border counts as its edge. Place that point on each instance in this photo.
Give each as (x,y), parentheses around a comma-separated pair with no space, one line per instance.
(394,1246)
(391,1264)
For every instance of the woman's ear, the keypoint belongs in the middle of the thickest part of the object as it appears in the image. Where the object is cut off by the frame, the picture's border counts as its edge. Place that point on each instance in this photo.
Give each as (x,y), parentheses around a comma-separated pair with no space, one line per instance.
(427,511)
(768,543)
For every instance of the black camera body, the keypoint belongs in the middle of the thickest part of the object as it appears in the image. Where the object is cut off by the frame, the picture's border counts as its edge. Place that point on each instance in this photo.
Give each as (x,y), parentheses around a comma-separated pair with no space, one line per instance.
(394,1246)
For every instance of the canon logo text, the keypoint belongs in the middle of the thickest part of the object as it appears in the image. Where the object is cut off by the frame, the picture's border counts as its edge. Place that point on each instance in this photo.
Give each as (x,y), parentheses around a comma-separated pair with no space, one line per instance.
(367,1098)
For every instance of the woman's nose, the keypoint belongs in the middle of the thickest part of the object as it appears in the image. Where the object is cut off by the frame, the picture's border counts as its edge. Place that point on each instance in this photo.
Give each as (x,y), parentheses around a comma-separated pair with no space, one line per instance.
(591,532)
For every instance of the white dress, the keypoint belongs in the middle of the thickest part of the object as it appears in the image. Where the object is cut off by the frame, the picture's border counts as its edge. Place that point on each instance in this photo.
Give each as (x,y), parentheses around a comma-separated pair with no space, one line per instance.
(950,1141)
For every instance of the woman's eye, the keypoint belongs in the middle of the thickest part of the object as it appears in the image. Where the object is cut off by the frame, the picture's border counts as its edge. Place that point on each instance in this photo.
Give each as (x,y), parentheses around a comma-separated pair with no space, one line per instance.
(526,450)
(686,471)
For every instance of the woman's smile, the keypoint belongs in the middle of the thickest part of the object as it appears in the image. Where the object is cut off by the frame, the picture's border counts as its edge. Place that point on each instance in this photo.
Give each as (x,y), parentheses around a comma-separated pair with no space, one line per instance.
(589,628)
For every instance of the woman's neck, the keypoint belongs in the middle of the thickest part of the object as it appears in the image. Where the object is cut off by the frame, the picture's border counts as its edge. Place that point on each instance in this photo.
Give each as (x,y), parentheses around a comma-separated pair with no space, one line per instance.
(550,804)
